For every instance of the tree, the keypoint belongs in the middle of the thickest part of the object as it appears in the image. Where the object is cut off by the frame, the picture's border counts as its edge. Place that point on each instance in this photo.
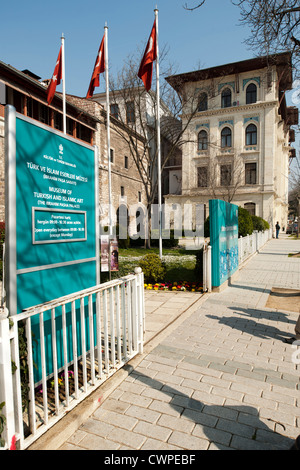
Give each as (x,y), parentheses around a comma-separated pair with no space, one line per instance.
(137,113)
(226,179)
(275,25)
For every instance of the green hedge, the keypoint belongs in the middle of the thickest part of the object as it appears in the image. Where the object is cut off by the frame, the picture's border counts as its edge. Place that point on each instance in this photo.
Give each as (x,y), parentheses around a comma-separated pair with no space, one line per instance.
(247,224)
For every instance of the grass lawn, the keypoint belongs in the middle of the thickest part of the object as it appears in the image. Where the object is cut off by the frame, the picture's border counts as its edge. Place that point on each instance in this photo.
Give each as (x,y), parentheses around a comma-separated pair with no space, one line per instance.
(180,263)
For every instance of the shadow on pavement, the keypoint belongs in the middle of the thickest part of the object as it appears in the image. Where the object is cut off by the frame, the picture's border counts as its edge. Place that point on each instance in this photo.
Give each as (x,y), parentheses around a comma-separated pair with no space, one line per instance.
(235,427)
(250,326)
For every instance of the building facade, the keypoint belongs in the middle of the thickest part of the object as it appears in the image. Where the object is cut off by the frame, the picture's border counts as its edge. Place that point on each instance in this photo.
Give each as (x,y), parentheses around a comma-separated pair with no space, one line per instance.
(237,143)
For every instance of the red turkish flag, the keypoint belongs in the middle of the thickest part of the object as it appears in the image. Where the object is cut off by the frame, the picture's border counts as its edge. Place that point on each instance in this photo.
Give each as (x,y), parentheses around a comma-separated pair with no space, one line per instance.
(146,67)
(98,68)
(56,78)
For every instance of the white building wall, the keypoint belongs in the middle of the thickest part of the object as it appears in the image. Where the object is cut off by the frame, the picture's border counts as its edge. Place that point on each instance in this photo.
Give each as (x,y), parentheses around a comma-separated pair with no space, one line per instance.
(270,154)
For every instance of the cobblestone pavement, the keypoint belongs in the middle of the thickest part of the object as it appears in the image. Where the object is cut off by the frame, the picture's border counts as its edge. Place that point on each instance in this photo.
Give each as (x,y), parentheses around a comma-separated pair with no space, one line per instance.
(222,378)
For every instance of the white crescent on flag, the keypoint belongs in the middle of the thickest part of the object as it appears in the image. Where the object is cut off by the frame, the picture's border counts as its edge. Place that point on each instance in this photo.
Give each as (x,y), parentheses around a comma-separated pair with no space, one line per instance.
(99,59)
(150,45)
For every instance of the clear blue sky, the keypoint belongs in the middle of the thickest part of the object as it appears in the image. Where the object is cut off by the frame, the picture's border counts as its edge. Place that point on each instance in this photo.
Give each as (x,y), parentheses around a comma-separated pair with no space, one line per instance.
(31,30)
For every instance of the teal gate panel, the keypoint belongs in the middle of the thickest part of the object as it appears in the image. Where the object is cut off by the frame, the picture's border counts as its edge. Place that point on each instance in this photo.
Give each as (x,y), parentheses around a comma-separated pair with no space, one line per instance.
(223,219)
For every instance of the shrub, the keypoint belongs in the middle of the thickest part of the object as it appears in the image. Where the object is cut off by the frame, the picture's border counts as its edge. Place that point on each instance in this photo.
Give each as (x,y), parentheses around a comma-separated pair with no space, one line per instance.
(259,223)
(153,267)
(245,222)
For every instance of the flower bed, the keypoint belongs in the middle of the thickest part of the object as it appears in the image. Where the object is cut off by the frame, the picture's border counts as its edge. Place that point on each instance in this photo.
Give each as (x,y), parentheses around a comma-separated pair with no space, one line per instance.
(175,286)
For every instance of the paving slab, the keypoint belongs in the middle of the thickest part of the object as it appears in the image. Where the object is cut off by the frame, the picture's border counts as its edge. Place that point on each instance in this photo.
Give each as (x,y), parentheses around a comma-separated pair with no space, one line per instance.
(216,375)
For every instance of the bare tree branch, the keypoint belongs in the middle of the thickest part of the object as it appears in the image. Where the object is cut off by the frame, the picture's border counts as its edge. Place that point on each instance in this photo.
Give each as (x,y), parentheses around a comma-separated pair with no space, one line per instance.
(194,8)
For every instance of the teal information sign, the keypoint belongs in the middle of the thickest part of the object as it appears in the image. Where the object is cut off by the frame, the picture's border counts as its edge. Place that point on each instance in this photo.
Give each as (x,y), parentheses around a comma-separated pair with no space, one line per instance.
(51,216)
(223,219)
(55,214)
(51,213)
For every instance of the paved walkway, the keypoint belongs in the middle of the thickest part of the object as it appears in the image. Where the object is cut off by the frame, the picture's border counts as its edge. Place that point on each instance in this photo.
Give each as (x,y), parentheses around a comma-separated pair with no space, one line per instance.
(219,377)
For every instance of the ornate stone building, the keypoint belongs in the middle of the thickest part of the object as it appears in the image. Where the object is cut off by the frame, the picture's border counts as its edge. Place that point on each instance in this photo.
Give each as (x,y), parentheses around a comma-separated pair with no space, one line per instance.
(237,144)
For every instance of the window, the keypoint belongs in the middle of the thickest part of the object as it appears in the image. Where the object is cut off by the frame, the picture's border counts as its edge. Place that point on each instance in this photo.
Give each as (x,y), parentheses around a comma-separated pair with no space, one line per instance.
(225,175)
(58,118)
(202,175)
(70,126)
(251,93)
(44,114)
(83,133)
(29,107)
(140,196)
(114,110)
(226,137)
(130,115)
(126,162)
(202,104)
(111,156)
(250,173)
(250,207)
(251,135)
(202,140)
(226,98)
(122,191)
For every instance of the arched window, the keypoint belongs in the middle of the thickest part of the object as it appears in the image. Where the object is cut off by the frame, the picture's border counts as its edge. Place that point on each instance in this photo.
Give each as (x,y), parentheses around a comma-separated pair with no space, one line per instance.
(202,140)
(122,221)
(202,104)
(251,135)
(226,98)
(251,93)
(226,137)
(250,207)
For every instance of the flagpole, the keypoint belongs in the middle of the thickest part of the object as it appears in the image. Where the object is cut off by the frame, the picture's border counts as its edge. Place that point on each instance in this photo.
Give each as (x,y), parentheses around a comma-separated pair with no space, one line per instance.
(108,139)
(158,137)
(64,83)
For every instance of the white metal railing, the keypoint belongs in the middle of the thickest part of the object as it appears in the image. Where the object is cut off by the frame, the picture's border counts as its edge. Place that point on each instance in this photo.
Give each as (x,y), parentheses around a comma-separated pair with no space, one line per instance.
(252,243)
(74,344)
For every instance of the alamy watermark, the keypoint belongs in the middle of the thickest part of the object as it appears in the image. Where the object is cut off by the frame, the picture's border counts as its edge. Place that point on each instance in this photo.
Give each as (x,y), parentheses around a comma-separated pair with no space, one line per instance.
(296,354)
(138,221)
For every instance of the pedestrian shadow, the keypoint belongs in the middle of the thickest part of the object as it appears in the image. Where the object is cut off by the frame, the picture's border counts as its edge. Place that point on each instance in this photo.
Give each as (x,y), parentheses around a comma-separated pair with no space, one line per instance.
(250,326)
(227,427)
(262,313)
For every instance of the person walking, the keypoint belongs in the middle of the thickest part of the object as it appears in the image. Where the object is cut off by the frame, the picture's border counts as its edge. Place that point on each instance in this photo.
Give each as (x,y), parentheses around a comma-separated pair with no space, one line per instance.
(277,226)
(297,333)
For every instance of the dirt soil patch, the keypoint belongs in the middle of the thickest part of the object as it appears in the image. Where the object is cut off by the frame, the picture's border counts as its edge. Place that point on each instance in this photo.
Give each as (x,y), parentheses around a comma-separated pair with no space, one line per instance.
(284,299)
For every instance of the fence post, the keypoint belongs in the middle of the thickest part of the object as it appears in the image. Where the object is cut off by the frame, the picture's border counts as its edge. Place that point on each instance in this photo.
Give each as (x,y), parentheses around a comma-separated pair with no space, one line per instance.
(242,253)
(208,265)
(204,266)
(140,308)
(6,380)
